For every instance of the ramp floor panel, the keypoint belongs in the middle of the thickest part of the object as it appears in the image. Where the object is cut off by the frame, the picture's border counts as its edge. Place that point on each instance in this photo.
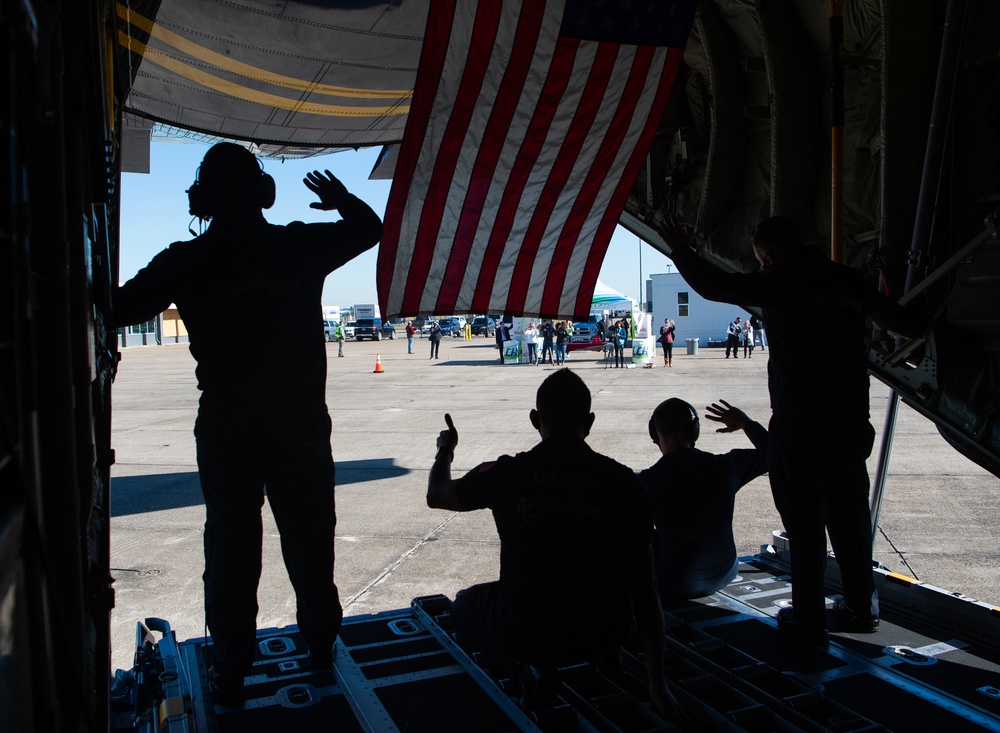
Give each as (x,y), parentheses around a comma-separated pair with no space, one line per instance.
(729,665)
(908,676)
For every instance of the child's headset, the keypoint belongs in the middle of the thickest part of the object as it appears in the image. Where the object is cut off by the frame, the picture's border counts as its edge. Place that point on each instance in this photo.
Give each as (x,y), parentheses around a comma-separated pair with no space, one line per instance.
(680,416)
(202,198)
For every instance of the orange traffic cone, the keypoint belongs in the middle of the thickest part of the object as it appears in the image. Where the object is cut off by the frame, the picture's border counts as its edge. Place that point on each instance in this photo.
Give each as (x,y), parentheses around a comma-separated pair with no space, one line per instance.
(378,363)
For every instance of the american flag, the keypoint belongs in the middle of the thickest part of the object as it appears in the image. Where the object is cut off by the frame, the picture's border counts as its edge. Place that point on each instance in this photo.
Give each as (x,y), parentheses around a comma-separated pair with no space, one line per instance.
(529,123)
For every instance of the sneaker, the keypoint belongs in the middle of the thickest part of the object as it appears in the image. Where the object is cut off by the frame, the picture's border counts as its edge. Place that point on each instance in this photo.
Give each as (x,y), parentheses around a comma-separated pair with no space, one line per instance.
(787,623)
(226,691)
(852,621)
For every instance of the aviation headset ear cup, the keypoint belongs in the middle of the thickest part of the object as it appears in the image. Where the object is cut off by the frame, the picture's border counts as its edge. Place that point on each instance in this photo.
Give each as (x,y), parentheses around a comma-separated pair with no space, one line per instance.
(694,427)
(198,201)
(265,191)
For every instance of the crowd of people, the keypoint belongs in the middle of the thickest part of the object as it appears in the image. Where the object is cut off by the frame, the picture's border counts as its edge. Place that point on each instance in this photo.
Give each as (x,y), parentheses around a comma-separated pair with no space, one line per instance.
(588,549)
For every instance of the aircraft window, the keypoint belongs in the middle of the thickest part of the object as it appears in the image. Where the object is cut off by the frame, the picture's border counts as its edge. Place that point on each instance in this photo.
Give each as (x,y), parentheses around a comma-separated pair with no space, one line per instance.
(682,304)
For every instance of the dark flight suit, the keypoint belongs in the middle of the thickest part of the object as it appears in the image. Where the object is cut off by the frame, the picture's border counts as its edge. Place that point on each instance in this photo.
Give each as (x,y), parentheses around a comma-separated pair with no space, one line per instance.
(820,433)
(262,417)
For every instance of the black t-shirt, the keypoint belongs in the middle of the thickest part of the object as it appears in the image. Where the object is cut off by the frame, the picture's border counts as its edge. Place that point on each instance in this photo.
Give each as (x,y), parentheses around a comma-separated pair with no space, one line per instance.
(573,526)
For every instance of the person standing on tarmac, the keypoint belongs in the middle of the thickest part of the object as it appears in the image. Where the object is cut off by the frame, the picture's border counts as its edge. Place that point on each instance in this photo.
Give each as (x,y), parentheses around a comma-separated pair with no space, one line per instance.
(667,331)
(410,332)
(262,421)
(820,433)
(747,339)
(340,339)
(548,332)
(434,336)
(733,337)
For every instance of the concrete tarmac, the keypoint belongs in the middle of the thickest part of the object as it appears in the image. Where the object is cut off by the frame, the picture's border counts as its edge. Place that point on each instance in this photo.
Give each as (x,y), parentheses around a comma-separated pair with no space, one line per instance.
(939,515)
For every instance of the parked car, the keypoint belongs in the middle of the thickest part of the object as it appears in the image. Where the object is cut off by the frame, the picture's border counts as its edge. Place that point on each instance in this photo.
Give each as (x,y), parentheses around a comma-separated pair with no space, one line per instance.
(483,326)
(349,329)
(451,326)
(330,330)
(374,329)
(425,327)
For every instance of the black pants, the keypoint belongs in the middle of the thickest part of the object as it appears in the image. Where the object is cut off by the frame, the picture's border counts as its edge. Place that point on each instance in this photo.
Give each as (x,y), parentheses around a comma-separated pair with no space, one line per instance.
(435,348)
(820,482)
(619,355)
(547,350)
(237,457)
(733,343)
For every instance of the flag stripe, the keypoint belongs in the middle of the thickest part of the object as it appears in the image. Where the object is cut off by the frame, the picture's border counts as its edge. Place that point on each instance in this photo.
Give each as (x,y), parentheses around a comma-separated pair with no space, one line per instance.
(586,57)
(618,164)
(575,137)
(534,138)
(595,179)
(428,75)
(610,219)
(496,132)
(447,245)
(538,179)
(483,34)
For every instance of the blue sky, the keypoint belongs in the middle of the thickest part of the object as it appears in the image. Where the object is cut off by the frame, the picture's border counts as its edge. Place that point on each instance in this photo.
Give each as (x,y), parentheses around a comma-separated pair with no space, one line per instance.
(155,213)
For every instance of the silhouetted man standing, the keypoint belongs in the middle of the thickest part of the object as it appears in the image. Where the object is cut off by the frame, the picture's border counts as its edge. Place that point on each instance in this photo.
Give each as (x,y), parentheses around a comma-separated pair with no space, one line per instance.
(262,418)
(575,558)
(820,433)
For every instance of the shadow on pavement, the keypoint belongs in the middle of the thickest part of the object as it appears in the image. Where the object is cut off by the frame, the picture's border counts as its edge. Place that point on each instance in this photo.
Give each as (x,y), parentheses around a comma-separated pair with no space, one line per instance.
(159,491)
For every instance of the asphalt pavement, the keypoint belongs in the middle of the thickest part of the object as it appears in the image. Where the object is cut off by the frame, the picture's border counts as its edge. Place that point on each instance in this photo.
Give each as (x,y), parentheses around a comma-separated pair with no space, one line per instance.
(940,513)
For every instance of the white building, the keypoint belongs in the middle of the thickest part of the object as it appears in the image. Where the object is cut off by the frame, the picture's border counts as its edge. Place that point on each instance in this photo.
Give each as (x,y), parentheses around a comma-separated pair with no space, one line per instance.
(696,317)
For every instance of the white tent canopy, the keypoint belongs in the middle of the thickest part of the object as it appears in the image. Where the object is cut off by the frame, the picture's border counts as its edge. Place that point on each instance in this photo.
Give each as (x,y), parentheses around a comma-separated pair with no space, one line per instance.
(606,298)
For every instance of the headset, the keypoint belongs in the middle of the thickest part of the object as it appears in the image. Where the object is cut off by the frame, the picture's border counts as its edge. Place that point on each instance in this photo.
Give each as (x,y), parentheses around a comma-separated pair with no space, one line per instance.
(680,417)
(202,200)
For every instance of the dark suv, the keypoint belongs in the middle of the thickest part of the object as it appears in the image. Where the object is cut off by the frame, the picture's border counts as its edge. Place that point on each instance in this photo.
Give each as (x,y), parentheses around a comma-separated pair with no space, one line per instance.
(374,329)
(483,326)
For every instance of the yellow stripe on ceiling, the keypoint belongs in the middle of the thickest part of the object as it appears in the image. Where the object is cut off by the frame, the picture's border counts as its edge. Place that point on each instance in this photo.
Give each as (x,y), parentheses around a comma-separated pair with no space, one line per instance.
(245,93)
(246,70)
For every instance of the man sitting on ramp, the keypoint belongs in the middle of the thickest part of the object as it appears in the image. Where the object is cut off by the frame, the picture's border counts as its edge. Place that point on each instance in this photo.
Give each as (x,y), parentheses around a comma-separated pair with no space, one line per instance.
(575,556)
(693,494)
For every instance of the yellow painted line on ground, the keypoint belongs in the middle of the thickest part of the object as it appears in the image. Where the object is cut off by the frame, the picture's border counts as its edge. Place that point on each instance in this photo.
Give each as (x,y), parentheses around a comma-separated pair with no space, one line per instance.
(247,94)
(222,61)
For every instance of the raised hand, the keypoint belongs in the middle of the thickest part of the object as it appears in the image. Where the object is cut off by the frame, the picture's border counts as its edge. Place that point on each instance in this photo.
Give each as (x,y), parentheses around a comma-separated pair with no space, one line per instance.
(328,187)
(732,418)
(448,439)
(674,234)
